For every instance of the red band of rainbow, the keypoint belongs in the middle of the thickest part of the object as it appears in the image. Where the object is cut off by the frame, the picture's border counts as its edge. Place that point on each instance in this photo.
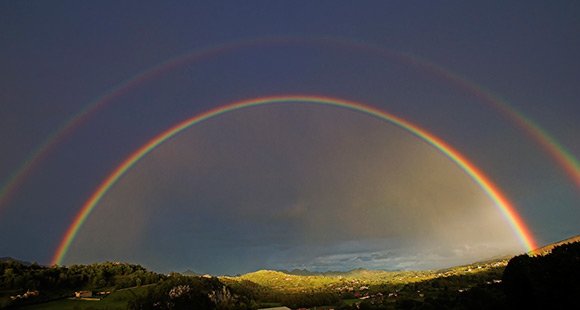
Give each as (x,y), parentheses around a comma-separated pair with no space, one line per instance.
(492,191)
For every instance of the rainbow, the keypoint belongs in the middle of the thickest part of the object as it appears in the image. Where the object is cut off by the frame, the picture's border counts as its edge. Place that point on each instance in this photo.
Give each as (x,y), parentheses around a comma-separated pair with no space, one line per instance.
(492,191)
(564,158)
(17,178)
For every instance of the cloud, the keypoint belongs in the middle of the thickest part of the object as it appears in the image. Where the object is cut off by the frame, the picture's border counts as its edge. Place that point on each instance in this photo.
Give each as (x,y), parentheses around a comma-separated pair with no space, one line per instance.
(403,258)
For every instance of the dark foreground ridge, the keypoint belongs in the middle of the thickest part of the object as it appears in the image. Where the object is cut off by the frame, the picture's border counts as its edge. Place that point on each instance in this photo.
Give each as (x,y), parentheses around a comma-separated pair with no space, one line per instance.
(551,280)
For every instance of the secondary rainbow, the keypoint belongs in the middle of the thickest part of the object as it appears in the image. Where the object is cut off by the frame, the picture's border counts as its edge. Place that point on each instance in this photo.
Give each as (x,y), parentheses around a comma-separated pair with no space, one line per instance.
(565,159)
(492,191)
(19,176)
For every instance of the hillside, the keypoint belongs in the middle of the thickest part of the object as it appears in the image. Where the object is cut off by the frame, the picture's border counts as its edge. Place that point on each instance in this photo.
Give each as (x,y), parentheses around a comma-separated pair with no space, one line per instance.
(306,280)
(281,280)
(548,248)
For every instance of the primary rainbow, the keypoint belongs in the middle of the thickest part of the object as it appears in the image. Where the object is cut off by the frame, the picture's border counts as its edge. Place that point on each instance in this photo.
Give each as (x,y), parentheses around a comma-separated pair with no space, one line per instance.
(492,191)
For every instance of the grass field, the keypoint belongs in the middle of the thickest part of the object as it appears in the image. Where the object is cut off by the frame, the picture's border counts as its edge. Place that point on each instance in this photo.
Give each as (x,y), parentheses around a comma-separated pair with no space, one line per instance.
(116,300)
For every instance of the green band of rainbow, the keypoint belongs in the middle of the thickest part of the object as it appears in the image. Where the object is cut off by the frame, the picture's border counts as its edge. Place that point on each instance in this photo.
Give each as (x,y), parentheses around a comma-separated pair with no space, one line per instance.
(494,193)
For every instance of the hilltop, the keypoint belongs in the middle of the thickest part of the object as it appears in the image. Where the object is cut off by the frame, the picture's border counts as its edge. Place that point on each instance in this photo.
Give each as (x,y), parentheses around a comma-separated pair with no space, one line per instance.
(7,259)
(548,248)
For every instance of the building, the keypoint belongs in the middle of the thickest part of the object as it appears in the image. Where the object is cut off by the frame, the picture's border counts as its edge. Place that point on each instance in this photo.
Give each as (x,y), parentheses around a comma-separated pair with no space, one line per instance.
(83,294)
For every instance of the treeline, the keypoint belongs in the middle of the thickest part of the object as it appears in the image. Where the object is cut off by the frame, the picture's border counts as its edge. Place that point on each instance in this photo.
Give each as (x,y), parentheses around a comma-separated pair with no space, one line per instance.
(58,281)
(550,281)
(17,275)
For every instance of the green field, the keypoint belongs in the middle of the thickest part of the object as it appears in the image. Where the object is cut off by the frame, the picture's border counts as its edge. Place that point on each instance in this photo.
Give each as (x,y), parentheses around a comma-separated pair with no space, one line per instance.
(116,300)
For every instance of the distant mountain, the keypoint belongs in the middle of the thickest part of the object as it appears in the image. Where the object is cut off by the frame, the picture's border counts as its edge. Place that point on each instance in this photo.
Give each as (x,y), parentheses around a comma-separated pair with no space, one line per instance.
(300,272)
(358,272)
(191,273)
(306,272)
(548,248)
(10,259)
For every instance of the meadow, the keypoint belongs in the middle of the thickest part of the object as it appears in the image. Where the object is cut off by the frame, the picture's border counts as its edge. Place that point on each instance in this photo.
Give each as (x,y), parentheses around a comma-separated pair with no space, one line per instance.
(116,300)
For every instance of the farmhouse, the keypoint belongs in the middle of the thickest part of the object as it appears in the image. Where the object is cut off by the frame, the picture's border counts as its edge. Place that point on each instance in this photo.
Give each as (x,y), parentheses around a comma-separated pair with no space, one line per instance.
(28,294)
(83,294)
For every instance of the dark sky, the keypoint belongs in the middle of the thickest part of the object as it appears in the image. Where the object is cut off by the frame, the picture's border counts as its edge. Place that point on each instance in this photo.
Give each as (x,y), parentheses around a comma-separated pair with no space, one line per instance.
(290,185)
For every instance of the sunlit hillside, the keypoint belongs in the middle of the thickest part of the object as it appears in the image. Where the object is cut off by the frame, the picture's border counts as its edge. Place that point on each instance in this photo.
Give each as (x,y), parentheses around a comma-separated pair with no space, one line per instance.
(548,248)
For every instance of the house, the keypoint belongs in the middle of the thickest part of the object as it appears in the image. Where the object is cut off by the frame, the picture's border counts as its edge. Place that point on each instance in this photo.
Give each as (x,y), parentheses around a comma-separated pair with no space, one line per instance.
(28,294)
(83,294)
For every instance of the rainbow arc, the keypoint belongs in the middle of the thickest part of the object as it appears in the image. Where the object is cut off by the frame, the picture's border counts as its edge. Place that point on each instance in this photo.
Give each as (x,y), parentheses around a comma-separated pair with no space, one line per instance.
(502,203)
(558,152)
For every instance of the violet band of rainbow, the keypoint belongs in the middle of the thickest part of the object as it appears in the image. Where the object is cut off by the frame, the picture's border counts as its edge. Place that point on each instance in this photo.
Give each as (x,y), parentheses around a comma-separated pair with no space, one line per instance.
(501,202)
